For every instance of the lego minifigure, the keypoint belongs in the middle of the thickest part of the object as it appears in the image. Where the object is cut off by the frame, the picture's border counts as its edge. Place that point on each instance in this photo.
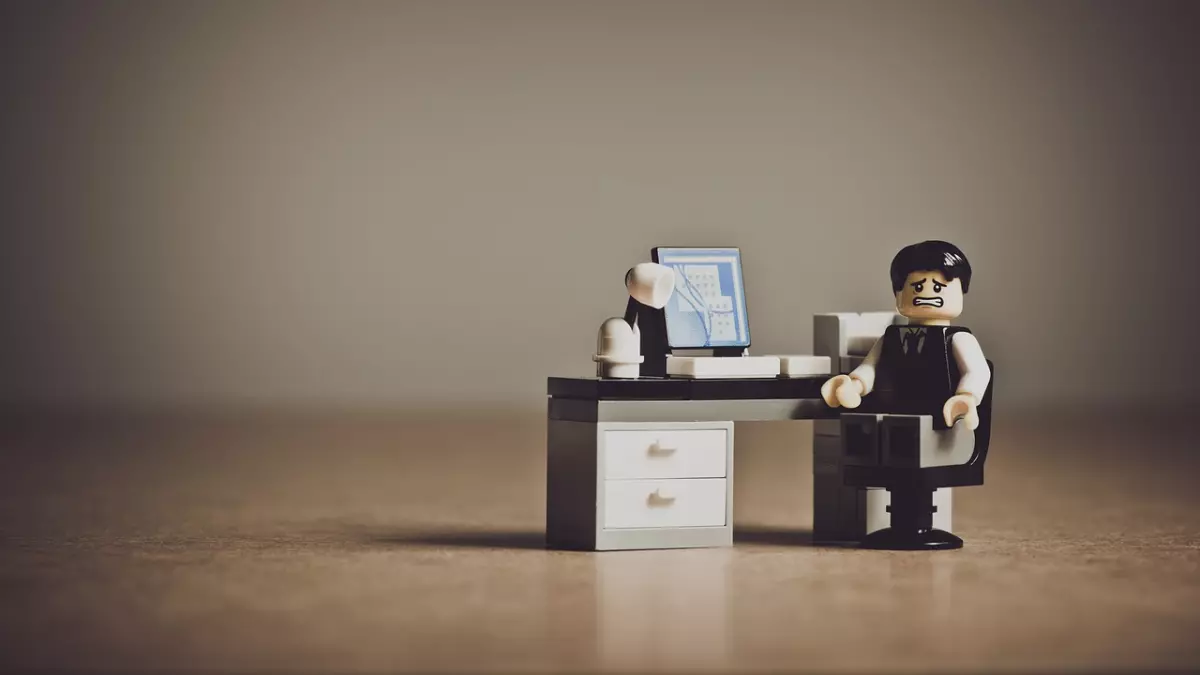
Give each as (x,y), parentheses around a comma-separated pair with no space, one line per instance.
(909,369)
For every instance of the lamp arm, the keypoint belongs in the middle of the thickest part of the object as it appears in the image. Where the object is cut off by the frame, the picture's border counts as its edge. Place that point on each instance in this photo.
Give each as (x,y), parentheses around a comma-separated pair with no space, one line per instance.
(632,309)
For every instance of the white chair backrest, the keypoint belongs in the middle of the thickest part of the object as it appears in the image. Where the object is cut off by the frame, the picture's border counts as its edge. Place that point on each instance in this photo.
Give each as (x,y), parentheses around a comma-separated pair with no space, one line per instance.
(839,334)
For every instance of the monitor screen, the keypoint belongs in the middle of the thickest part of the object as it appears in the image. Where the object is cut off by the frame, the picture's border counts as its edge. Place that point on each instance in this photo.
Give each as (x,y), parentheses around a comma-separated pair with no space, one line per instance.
(708,308)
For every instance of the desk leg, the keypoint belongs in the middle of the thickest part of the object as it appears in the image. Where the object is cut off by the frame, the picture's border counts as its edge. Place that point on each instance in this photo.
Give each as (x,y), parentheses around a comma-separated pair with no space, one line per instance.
(571,484)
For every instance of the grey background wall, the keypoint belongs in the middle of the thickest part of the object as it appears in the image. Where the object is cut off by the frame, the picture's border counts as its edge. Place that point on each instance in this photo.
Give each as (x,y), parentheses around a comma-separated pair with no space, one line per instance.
(293,203)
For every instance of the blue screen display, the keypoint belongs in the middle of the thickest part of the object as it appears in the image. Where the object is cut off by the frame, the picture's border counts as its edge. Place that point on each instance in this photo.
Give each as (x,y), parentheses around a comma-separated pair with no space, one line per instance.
(708,308)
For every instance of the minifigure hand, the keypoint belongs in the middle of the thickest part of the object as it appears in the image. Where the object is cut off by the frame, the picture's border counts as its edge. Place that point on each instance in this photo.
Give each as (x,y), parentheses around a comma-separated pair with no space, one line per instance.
(842,390)
(961,407)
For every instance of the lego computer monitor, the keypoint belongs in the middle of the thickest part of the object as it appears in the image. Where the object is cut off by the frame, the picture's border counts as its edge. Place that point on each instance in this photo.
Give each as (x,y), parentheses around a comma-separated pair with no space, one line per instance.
(708,308)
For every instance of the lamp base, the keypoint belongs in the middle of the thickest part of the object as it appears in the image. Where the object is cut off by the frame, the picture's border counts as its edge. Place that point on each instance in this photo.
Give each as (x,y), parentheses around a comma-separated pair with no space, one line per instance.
(619,371)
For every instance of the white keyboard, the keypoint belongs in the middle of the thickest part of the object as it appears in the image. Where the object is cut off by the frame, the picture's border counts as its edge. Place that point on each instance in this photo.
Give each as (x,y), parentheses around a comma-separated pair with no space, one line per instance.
(717,367)
(714,367)
(805,365)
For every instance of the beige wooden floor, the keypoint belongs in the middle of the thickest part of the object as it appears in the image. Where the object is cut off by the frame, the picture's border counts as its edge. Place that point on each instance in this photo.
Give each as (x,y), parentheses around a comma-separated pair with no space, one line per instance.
(381,544)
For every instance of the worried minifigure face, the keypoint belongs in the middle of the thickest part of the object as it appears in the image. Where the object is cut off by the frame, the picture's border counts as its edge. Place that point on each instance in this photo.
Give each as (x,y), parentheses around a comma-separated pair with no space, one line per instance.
(928,297)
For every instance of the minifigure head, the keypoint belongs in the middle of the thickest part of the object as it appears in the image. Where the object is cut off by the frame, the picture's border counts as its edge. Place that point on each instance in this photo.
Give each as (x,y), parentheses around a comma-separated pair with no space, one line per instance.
(930,280)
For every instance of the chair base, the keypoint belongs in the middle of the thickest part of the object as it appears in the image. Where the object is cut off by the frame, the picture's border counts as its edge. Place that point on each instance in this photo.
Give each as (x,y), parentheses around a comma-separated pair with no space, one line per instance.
(897,539)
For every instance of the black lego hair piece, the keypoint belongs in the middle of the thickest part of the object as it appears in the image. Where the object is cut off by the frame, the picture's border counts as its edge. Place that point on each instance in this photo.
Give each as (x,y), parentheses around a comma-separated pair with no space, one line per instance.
(931,255)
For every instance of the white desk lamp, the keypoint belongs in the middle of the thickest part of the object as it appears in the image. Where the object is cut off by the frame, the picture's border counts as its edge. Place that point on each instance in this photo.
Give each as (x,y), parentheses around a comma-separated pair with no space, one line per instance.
(619,344)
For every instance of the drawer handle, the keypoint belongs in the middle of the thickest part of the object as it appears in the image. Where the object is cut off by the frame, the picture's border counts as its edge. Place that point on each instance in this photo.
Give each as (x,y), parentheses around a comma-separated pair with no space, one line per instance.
(657,498)
(657,449)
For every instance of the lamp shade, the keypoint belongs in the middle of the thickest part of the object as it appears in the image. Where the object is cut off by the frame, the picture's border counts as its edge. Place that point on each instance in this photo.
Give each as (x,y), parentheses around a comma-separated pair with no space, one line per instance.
(650,284)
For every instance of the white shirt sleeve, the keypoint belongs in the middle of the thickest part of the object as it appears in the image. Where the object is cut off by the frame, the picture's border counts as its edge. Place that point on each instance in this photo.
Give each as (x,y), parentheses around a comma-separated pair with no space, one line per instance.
(865,372)
(972,364)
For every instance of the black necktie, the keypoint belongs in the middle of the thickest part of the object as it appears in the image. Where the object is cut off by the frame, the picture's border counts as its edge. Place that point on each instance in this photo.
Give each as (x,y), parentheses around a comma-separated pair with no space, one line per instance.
(913,337)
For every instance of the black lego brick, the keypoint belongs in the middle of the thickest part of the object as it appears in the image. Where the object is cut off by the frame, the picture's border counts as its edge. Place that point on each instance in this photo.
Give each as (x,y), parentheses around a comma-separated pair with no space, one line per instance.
(774,387)
(680,389)
(604,389)
(912,478)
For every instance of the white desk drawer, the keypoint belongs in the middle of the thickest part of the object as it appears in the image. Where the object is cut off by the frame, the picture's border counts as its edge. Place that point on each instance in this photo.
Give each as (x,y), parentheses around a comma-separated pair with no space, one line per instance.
(666,453)
(693,502)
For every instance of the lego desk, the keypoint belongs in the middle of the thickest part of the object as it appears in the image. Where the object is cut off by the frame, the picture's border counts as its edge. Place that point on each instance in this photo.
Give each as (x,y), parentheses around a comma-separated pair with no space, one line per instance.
(648,463)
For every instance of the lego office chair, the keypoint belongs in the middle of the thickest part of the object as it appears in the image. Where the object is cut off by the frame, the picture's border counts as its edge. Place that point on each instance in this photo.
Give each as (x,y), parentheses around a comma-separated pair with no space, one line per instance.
(912,487)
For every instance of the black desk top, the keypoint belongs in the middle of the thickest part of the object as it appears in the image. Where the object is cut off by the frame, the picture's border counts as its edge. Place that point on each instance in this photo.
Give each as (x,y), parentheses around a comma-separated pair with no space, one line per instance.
(680,389)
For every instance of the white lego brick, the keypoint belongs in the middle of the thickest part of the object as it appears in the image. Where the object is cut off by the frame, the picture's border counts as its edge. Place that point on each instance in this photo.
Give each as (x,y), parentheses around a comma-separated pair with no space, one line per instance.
(840,334)
(695,502)
(828,336)
(665,453)
(805,365)
(877,501)
(849,363)
(718,367)
(859,345)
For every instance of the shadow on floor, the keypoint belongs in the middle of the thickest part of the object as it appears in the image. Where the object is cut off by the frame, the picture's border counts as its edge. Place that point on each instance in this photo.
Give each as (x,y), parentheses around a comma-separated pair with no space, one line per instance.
(462,539)
(771,536)
(533,540)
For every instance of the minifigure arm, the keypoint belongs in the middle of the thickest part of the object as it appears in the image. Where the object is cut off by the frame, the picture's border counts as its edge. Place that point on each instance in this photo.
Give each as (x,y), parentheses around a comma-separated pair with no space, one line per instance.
(864,374)
(972,364)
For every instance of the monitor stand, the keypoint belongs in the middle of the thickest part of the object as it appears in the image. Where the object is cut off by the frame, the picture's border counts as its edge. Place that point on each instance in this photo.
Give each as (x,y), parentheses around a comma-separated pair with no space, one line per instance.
(715,363)
(729,351)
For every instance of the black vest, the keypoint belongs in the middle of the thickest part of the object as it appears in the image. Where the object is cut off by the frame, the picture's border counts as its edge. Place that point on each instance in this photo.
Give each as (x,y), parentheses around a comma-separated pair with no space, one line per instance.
(916,371)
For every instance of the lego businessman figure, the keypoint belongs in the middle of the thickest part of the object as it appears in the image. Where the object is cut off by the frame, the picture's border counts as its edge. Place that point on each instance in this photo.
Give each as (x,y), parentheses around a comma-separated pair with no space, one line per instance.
(928,367)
